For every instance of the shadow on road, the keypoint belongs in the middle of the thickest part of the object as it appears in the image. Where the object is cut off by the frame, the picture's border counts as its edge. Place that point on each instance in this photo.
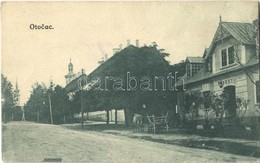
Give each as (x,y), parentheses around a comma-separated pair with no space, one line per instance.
(222,146)
(226,146)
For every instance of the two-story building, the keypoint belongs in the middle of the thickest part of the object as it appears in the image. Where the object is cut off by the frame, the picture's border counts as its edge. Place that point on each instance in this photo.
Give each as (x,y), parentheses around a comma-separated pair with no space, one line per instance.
(230,66)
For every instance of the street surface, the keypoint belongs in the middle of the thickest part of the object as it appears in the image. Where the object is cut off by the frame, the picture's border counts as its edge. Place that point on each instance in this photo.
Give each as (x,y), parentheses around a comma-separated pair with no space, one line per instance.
(26,141)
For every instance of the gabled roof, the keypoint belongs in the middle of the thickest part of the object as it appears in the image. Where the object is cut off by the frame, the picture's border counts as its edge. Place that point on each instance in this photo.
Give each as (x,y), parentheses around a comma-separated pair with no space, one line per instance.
(195,60)
(102,68)
(203,75)
(134,59)
(205,52)
(242,32)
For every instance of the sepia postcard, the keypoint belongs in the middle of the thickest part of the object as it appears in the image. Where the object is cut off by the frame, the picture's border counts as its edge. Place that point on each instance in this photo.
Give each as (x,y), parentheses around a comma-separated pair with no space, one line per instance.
(130,81)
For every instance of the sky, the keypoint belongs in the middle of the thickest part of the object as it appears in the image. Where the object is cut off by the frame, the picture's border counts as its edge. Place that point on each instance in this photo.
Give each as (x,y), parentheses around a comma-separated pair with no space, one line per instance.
(86,31)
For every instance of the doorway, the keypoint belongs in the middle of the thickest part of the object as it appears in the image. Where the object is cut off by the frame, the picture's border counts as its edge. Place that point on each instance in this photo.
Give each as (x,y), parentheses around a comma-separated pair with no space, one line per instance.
(230,103)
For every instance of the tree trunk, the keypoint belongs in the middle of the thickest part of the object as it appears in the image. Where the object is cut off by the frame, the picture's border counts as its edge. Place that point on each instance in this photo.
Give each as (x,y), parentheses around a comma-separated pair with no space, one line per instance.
(50,110)
(111,117)
(128,117)
(4,118)
(82,120)
(38,116)
(116,116)
(107,117)
(64,118)
(126,122)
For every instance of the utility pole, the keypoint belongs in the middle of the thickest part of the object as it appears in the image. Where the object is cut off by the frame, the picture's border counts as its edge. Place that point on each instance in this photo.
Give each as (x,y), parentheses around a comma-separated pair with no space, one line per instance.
(82,114)
(81,102)
(23,117)
(84,85)
(49,97)
(50,109)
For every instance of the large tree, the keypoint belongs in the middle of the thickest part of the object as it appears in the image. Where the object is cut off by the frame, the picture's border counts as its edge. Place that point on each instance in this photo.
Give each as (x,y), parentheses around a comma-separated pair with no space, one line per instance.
(138,62)
(36,108)
(60,105)
(7,101)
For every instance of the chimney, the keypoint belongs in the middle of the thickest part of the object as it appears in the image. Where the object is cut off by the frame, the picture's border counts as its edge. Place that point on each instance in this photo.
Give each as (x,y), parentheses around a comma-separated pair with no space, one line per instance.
(105,57)
(220,19)
(120,46)
(82,71)
(256,23)
(137,43)
(128,42)
(114,51)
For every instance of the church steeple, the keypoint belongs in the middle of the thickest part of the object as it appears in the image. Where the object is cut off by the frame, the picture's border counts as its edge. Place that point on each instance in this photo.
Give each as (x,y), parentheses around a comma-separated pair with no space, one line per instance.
(70,66)
(17,94)
(69,77)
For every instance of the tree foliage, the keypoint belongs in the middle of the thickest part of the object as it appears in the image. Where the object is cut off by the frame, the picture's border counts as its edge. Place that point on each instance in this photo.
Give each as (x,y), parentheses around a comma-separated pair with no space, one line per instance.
(215,104)
(139,62)
(38,106)
(60,105)
(7,101)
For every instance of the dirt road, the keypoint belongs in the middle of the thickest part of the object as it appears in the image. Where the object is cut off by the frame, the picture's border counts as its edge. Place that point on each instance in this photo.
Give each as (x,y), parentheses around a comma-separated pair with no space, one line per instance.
(25,141)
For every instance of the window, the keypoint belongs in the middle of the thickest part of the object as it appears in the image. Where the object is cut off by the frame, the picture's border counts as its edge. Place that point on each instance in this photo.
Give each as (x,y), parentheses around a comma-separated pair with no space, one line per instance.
(188,70)
(231,55)
(257,91)
(209,65)
(228,56)
(224,57)
(195,67)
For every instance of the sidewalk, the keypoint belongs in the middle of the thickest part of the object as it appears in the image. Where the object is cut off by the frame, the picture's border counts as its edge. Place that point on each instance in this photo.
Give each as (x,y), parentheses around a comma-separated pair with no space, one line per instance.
(180,137)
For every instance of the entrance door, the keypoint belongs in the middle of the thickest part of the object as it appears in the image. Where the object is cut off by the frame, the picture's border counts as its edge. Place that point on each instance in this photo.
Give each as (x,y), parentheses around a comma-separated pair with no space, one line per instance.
(230,105)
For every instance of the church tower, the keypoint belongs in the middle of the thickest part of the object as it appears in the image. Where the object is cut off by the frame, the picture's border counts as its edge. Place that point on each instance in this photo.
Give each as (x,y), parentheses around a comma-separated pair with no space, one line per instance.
(70,76)
(17,94)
